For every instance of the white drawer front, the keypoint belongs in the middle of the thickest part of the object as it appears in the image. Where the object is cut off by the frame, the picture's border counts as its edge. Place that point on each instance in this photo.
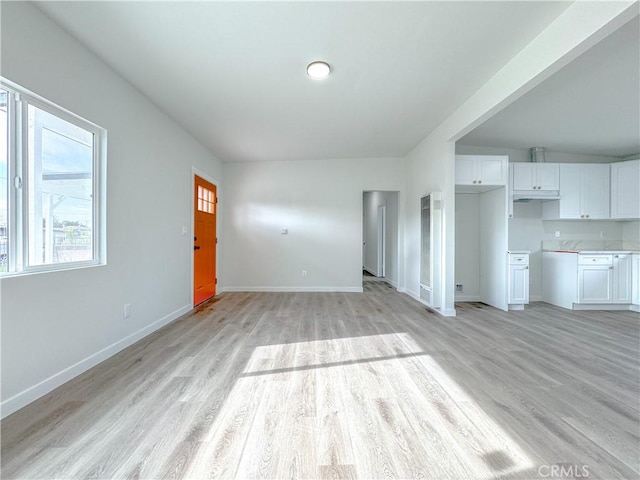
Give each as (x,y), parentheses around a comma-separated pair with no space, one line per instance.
(518,259)
(595,260)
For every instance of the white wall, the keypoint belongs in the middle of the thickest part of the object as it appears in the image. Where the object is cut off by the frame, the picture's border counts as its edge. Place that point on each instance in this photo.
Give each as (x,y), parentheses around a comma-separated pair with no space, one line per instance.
(493,248)
(392,253)
(55,325)
(430,168)
(371,202)
(319,202)
(631,234)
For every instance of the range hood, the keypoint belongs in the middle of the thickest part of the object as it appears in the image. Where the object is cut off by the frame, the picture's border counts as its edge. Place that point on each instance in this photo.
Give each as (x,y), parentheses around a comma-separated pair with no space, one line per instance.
(520,196)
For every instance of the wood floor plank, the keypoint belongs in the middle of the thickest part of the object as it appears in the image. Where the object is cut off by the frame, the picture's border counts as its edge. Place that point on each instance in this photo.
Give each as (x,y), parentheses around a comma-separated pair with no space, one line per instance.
(346,385)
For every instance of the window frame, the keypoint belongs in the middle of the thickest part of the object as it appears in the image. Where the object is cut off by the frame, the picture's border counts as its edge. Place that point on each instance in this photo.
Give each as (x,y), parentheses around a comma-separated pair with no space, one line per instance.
(18,102)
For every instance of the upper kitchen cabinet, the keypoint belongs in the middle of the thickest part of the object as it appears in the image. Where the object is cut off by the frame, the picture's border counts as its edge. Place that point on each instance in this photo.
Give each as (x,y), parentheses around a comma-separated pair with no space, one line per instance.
(481,170)
(625,190)
(584,193)
(535,177)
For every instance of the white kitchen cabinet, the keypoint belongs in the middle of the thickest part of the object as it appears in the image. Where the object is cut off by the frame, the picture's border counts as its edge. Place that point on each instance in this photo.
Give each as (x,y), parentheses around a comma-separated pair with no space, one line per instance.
(536,177)
(625,193)
(604,280)
(518,280)
(481,169)
(595,283)
(622,277)
(635,281)
(584,193)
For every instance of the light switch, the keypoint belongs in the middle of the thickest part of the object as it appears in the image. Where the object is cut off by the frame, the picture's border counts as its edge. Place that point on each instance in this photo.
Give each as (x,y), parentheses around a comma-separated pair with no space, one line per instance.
(184,231)
(284,231)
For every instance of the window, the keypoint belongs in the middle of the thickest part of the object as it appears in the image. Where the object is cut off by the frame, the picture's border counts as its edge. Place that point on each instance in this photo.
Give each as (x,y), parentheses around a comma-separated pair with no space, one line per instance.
(4,180)
(51,161)
(206,200)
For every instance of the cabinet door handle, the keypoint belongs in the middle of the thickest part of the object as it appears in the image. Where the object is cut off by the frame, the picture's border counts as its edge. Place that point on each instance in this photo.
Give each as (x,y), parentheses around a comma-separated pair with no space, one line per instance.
(526,268)
(479,181)
(474,181)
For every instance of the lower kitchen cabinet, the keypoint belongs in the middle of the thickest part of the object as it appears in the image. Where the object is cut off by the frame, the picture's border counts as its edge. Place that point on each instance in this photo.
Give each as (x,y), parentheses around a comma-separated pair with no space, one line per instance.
(622,266)
(594,281)
(635,282)
(518,280)
(595,284)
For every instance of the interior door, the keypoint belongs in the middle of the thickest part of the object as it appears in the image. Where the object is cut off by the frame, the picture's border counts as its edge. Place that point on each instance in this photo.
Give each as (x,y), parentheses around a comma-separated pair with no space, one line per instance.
(204,240)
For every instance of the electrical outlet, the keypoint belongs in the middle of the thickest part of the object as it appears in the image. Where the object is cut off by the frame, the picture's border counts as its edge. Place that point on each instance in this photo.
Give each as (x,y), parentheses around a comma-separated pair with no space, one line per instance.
(126,310)
(459,287)
(304,273)
(601,234)
(557,233)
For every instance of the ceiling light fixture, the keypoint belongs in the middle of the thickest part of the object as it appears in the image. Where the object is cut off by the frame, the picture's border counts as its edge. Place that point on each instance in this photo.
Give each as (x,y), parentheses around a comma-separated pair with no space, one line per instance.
(318,70)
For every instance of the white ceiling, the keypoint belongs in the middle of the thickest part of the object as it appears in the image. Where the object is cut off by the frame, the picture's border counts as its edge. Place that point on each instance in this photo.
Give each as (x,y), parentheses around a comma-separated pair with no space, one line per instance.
(591,106)
(233,73)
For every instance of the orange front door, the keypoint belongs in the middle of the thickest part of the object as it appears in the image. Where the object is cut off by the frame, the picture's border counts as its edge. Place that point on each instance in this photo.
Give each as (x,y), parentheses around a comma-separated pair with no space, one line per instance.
(204,241)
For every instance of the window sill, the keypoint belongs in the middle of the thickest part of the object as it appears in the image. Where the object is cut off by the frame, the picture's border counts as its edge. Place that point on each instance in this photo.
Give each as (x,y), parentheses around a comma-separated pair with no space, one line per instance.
(52,269)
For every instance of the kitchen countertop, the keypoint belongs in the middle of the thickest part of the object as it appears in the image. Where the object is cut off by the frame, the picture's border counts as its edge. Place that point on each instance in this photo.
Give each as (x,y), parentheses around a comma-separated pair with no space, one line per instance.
(596,252)
(520,252)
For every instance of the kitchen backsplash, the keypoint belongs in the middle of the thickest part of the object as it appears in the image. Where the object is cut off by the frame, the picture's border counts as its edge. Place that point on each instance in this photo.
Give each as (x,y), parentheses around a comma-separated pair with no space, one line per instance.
(623,245)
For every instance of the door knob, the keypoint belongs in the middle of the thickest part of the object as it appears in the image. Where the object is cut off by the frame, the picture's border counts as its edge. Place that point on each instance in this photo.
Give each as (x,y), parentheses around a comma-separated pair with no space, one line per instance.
(196,247)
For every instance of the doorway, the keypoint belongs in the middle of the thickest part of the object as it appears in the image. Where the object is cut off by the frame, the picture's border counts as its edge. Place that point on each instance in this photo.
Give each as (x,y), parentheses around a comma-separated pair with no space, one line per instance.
(204,240)
(380,244)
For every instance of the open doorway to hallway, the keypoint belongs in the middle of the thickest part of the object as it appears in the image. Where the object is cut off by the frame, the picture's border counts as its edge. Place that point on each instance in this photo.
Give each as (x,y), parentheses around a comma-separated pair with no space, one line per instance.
(380,236)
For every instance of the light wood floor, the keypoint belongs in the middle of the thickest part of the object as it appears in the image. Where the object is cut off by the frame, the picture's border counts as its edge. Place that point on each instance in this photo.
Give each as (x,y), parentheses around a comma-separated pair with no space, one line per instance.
(346,385)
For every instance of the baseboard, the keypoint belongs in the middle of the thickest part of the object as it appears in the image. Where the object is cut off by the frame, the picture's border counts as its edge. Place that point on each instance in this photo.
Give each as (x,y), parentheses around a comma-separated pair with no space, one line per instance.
(22,399)
(536,298)
(371,271)
(294,289)
(412,294)
(391,282)
(603,306)
(445,312)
